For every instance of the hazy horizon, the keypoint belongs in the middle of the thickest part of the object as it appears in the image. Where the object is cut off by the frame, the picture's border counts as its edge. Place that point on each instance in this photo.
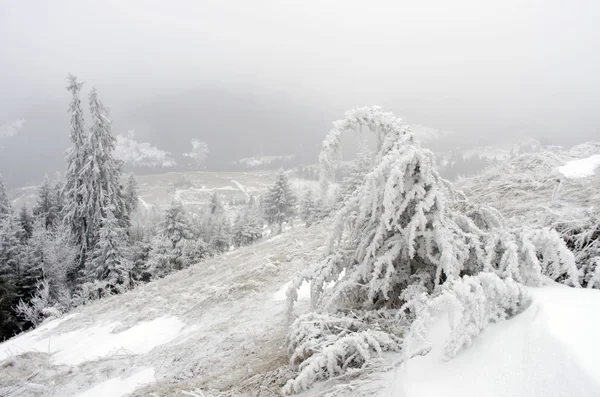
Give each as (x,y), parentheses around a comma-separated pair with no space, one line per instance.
(489,71)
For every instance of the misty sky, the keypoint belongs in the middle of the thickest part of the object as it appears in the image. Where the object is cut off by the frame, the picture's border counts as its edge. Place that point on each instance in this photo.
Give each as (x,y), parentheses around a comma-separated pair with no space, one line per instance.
(478,67)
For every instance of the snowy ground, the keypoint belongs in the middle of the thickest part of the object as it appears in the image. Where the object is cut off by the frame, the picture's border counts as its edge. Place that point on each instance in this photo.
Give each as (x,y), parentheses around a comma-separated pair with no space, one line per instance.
(581,168)
(210,328)
(550,350)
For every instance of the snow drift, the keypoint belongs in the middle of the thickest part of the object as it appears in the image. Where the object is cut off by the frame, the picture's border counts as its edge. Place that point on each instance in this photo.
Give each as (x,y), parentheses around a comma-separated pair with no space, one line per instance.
(549,350)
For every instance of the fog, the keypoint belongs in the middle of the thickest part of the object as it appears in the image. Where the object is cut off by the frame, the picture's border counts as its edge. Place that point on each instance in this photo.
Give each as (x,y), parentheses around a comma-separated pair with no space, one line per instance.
(268,77)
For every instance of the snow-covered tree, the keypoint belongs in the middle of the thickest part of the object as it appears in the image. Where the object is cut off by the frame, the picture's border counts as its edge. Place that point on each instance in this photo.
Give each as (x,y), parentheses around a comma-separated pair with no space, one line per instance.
(176,246)
(308,208)
(405,232)
(109,260)
(5,206)
(405,219)
(101,173)
(76,195)
(176,225)
(279,202)
(248,226)
(46,206)
(162,257)
(217,227)
(131,194)
(59,258)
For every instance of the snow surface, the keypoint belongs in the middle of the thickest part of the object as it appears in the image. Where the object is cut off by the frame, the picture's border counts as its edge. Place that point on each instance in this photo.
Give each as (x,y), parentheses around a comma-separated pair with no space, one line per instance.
(85,344)
(581,168)
(235,332)
(117,387)
(552,349)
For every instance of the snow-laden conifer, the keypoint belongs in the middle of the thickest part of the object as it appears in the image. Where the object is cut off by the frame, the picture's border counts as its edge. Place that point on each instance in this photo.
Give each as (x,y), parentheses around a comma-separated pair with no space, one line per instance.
(279,202)
(109,260)
(5,205)
(404,218)
(45,206)
(76,195)
(101,172)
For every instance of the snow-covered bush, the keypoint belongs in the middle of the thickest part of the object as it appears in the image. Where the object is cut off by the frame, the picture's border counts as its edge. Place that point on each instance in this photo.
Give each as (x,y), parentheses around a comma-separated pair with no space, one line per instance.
(471,303)
(529,189)
(322,346)
(33,310)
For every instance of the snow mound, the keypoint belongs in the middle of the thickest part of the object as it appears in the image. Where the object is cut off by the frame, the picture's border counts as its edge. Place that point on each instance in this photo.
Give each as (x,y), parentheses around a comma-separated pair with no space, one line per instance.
(549,350)
(581,168)
(117,387)
(75,347)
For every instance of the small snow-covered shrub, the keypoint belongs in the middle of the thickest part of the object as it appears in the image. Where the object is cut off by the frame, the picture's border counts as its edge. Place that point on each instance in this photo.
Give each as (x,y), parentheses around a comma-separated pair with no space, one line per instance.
(472,303)
(322,346)
(33,311)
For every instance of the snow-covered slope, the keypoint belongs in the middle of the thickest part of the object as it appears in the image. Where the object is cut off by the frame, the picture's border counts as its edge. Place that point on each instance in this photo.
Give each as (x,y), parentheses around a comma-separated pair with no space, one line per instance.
(211,327)
(552,349)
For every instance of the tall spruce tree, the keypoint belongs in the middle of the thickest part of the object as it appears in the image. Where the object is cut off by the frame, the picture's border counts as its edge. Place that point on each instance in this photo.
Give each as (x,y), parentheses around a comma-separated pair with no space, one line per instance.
(5,206)
(76,195)
(45,207)
(101,173)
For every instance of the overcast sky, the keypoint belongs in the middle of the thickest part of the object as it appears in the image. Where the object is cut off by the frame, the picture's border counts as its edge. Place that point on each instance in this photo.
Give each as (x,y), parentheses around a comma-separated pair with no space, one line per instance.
(484,67)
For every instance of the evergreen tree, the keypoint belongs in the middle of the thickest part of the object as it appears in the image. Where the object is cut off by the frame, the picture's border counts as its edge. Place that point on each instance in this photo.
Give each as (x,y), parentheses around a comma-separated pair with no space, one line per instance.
(176,226)
(109,261)
(12,259)
(5,206)
(217,230)
(308,208)
(76,195)
(248,226)
(220,239)
(280,202)
(45,206)
(131,194)
(26,222)
(58,197)
(101,173)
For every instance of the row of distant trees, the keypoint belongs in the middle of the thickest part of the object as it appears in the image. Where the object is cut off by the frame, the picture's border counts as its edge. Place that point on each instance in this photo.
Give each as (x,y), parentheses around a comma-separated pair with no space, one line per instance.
(86,237)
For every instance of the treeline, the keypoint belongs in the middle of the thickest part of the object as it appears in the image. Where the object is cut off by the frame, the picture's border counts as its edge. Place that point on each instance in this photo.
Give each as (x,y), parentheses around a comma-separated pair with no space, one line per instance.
(85,238)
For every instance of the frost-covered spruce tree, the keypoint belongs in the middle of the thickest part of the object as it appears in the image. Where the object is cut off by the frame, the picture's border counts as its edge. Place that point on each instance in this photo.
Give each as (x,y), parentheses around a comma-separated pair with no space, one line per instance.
(399,236)
(248,226)
(409,221)
(308,208)
(76,195)
(167,253)
(109,261)
(101,173)
(5,206)
(131,193)
(45,205)
(279,202)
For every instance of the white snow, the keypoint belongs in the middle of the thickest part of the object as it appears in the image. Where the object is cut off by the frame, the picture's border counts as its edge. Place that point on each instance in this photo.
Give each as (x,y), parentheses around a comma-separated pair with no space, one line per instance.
(75,347)
(303,292)
(116,387)
(552,349)
(581,168)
